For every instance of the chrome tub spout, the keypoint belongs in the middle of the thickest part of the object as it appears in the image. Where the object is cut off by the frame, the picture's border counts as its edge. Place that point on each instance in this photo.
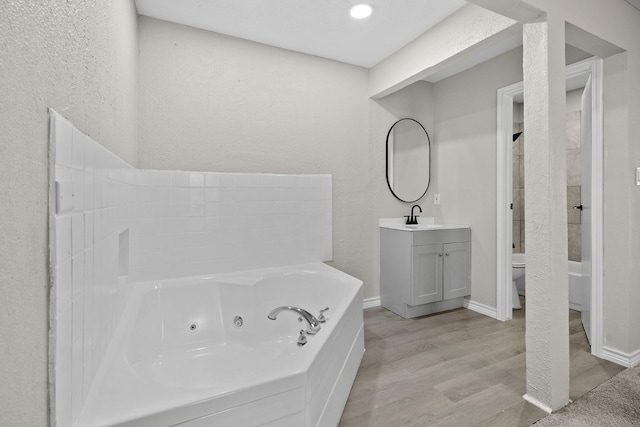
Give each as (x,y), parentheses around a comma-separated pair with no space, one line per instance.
(313,325)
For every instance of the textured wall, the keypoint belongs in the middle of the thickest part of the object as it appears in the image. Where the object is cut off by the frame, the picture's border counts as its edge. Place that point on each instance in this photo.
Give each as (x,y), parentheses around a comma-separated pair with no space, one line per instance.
(80,59)
(437,48)
(415,101)
(622,153)
(215,103)
(465,155)
(617,207)
(545,177)
(622,156)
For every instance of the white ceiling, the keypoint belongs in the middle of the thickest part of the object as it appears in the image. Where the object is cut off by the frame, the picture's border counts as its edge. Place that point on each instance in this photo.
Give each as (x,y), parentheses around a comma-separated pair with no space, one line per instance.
(316,27)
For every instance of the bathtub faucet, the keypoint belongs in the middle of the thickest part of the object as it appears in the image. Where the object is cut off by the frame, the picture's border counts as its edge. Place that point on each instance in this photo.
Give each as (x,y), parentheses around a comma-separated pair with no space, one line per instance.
(313,325)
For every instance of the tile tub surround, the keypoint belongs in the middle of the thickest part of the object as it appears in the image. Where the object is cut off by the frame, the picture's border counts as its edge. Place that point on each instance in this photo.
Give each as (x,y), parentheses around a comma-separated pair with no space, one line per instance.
(92,200)
(112,225)
(191,223)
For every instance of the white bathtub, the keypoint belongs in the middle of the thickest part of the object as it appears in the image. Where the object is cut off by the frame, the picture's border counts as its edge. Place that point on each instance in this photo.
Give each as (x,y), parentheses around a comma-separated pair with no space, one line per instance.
(179,359)
(576,292)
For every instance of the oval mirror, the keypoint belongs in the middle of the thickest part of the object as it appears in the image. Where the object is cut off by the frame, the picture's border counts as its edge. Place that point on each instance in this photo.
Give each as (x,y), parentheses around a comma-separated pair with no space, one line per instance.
(408,160)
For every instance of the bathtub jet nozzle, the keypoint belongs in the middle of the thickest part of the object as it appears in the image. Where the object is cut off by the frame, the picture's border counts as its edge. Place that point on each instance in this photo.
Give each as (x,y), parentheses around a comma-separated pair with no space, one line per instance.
(313,325)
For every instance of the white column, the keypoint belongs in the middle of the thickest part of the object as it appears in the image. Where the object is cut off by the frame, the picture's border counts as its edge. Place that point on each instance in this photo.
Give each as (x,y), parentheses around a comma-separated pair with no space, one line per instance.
(547,323)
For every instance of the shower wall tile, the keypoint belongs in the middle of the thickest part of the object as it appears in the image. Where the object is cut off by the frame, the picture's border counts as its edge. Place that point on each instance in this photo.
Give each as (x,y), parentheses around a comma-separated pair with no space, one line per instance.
(168,224)
(516,237)
(574,167)
(516,213)
(575,242)
(521,167)
(574,176)
(517,127)
(573,199)
(518,190)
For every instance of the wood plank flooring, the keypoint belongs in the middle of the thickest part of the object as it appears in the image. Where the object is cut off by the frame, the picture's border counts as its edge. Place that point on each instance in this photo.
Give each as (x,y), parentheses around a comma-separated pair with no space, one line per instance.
(458,368)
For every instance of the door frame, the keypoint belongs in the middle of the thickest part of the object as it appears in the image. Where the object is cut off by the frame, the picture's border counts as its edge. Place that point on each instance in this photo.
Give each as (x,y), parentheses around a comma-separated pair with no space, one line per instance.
(504,235)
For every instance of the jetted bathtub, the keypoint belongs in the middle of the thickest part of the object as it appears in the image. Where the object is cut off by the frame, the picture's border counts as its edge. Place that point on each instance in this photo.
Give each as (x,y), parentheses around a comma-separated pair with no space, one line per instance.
(201,351)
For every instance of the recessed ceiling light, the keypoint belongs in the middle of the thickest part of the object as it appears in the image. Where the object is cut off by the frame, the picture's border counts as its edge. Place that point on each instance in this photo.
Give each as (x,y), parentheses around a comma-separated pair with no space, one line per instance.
(360,11)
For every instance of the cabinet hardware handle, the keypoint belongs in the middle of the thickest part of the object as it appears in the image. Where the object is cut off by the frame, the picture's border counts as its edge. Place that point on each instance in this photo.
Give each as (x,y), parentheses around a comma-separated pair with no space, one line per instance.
(447,254)
(439,254)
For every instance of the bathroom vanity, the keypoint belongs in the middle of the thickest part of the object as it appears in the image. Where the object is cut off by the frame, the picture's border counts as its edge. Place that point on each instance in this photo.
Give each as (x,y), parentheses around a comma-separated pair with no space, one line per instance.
(424,268)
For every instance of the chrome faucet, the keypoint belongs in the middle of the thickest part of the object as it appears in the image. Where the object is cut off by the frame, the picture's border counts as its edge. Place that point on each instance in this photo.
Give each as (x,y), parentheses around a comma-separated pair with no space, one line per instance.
(313,325)
(412,220)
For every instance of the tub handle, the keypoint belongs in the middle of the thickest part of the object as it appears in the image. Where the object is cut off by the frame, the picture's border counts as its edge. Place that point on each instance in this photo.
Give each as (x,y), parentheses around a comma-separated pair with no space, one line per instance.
(313,325)
(321,317)
(302,338)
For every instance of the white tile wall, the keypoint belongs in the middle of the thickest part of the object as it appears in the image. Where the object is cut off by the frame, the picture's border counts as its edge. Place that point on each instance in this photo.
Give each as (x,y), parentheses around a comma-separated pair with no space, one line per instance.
(86,304)
(179,223)
(193,223)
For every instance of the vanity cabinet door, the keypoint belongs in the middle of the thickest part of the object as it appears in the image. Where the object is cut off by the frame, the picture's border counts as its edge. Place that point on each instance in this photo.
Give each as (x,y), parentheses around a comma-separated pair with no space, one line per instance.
(456,270)
(426,274)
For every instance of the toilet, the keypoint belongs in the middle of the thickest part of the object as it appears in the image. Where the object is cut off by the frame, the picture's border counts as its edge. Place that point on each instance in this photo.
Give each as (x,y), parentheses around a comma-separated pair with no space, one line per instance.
(517,272)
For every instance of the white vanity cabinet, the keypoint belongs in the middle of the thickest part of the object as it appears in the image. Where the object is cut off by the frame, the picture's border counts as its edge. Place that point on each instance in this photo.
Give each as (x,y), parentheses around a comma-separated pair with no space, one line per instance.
(423,271)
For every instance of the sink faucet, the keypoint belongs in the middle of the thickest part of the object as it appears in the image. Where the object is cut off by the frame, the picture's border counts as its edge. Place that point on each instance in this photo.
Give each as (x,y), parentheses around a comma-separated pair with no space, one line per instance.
(413,219)
(313,325)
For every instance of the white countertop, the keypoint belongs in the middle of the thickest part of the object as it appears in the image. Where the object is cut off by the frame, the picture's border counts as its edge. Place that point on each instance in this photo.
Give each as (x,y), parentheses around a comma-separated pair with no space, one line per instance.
(426,223)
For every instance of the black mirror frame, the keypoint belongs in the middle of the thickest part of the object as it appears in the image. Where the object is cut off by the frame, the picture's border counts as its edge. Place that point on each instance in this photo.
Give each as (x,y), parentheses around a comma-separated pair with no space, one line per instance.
(387,161)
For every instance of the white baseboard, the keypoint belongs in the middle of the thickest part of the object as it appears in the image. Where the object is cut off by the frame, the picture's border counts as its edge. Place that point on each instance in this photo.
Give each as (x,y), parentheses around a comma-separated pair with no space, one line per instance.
(480,308)
(470,304)
(537,403)
(628,360)
(371,302)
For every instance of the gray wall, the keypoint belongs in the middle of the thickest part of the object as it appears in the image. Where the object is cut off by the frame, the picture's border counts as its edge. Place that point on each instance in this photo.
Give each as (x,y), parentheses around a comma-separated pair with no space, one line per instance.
(79,58)
(216,103)
(621,157)
(621,204)
(465,154)
(246,107)
(415,101)
(232,105)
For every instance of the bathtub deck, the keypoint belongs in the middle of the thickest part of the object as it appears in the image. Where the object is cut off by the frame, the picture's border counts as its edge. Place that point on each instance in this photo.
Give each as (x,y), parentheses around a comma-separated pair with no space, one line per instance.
(457,368)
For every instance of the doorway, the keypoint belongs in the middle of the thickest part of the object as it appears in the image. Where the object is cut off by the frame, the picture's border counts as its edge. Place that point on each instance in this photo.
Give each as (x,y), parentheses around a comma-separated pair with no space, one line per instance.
(581,74)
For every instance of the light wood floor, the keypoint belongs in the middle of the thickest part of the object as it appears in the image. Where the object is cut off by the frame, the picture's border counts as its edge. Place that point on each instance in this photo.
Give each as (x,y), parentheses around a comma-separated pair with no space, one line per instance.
(458,368)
